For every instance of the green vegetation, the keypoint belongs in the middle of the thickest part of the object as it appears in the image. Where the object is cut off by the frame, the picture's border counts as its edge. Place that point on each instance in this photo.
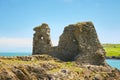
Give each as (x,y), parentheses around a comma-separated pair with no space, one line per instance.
(112,50)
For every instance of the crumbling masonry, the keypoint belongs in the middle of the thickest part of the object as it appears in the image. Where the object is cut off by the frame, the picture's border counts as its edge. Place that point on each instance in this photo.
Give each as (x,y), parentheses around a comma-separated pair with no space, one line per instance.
(79,42)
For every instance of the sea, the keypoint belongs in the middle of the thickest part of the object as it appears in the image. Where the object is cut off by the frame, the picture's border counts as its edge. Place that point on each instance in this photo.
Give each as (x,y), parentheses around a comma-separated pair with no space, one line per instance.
(115,63)
(112,62)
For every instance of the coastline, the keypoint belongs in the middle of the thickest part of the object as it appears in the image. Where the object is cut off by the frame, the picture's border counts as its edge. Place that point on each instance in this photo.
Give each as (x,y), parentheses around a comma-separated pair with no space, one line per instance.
(113,57)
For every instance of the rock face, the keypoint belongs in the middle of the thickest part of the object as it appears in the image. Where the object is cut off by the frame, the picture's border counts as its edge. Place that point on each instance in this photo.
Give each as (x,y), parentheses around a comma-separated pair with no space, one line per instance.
(78,42)
(68,47)
(41,40)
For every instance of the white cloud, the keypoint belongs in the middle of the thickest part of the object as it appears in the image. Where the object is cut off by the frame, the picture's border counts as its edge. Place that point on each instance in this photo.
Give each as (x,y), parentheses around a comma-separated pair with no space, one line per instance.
(18,44)
(15,44)
(55,42)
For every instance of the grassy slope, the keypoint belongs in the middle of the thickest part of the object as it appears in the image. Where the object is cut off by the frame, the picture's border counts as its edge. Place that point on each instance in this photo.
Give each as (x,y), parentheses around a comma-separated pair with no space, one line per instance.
(112,49)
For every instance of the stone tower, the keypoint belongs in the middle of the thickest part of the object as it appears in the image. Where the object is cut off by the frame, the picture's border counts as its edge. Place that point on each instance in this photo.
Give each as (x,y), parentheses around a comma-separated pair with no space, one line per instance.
(41,40)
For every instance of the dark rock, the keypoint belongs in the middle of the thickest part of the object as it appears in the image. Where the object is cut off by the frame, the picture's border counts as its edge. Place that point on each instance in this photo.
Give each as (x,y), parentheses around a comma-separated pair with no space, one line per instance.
(64,71)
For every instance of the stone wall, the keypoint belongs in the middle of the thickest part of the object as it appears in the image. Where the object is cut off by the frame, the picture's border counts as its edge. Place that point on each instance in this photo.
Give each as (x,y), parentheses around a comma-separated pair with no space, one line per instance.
(78,42)
(41,41)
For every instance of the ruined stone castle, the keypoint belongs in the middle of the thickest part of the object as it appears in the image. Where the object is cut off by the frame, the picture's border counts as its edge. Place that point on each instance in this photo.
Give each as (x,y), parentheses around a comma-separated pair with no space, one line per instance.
(78,42)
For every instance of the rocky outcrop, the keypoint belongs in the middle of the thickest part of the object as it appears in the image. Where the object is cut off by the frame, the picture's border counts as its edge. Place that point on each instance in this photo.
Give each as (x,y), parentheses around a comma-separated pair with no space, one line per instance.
(41,41)
(45,67)
(79,42)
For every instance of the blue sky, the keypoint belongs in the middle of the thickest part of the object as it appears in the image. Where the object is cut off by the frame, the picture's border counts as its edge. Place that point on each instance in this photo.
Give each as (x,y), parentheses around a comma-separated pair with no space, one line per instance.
(19,17)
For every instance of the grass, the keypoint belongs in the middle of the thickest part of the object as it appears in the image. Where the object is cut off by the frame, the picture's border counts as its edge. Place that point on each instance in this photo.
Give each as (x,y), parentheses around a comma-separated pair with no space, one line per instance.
(112,49)
(71,66)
